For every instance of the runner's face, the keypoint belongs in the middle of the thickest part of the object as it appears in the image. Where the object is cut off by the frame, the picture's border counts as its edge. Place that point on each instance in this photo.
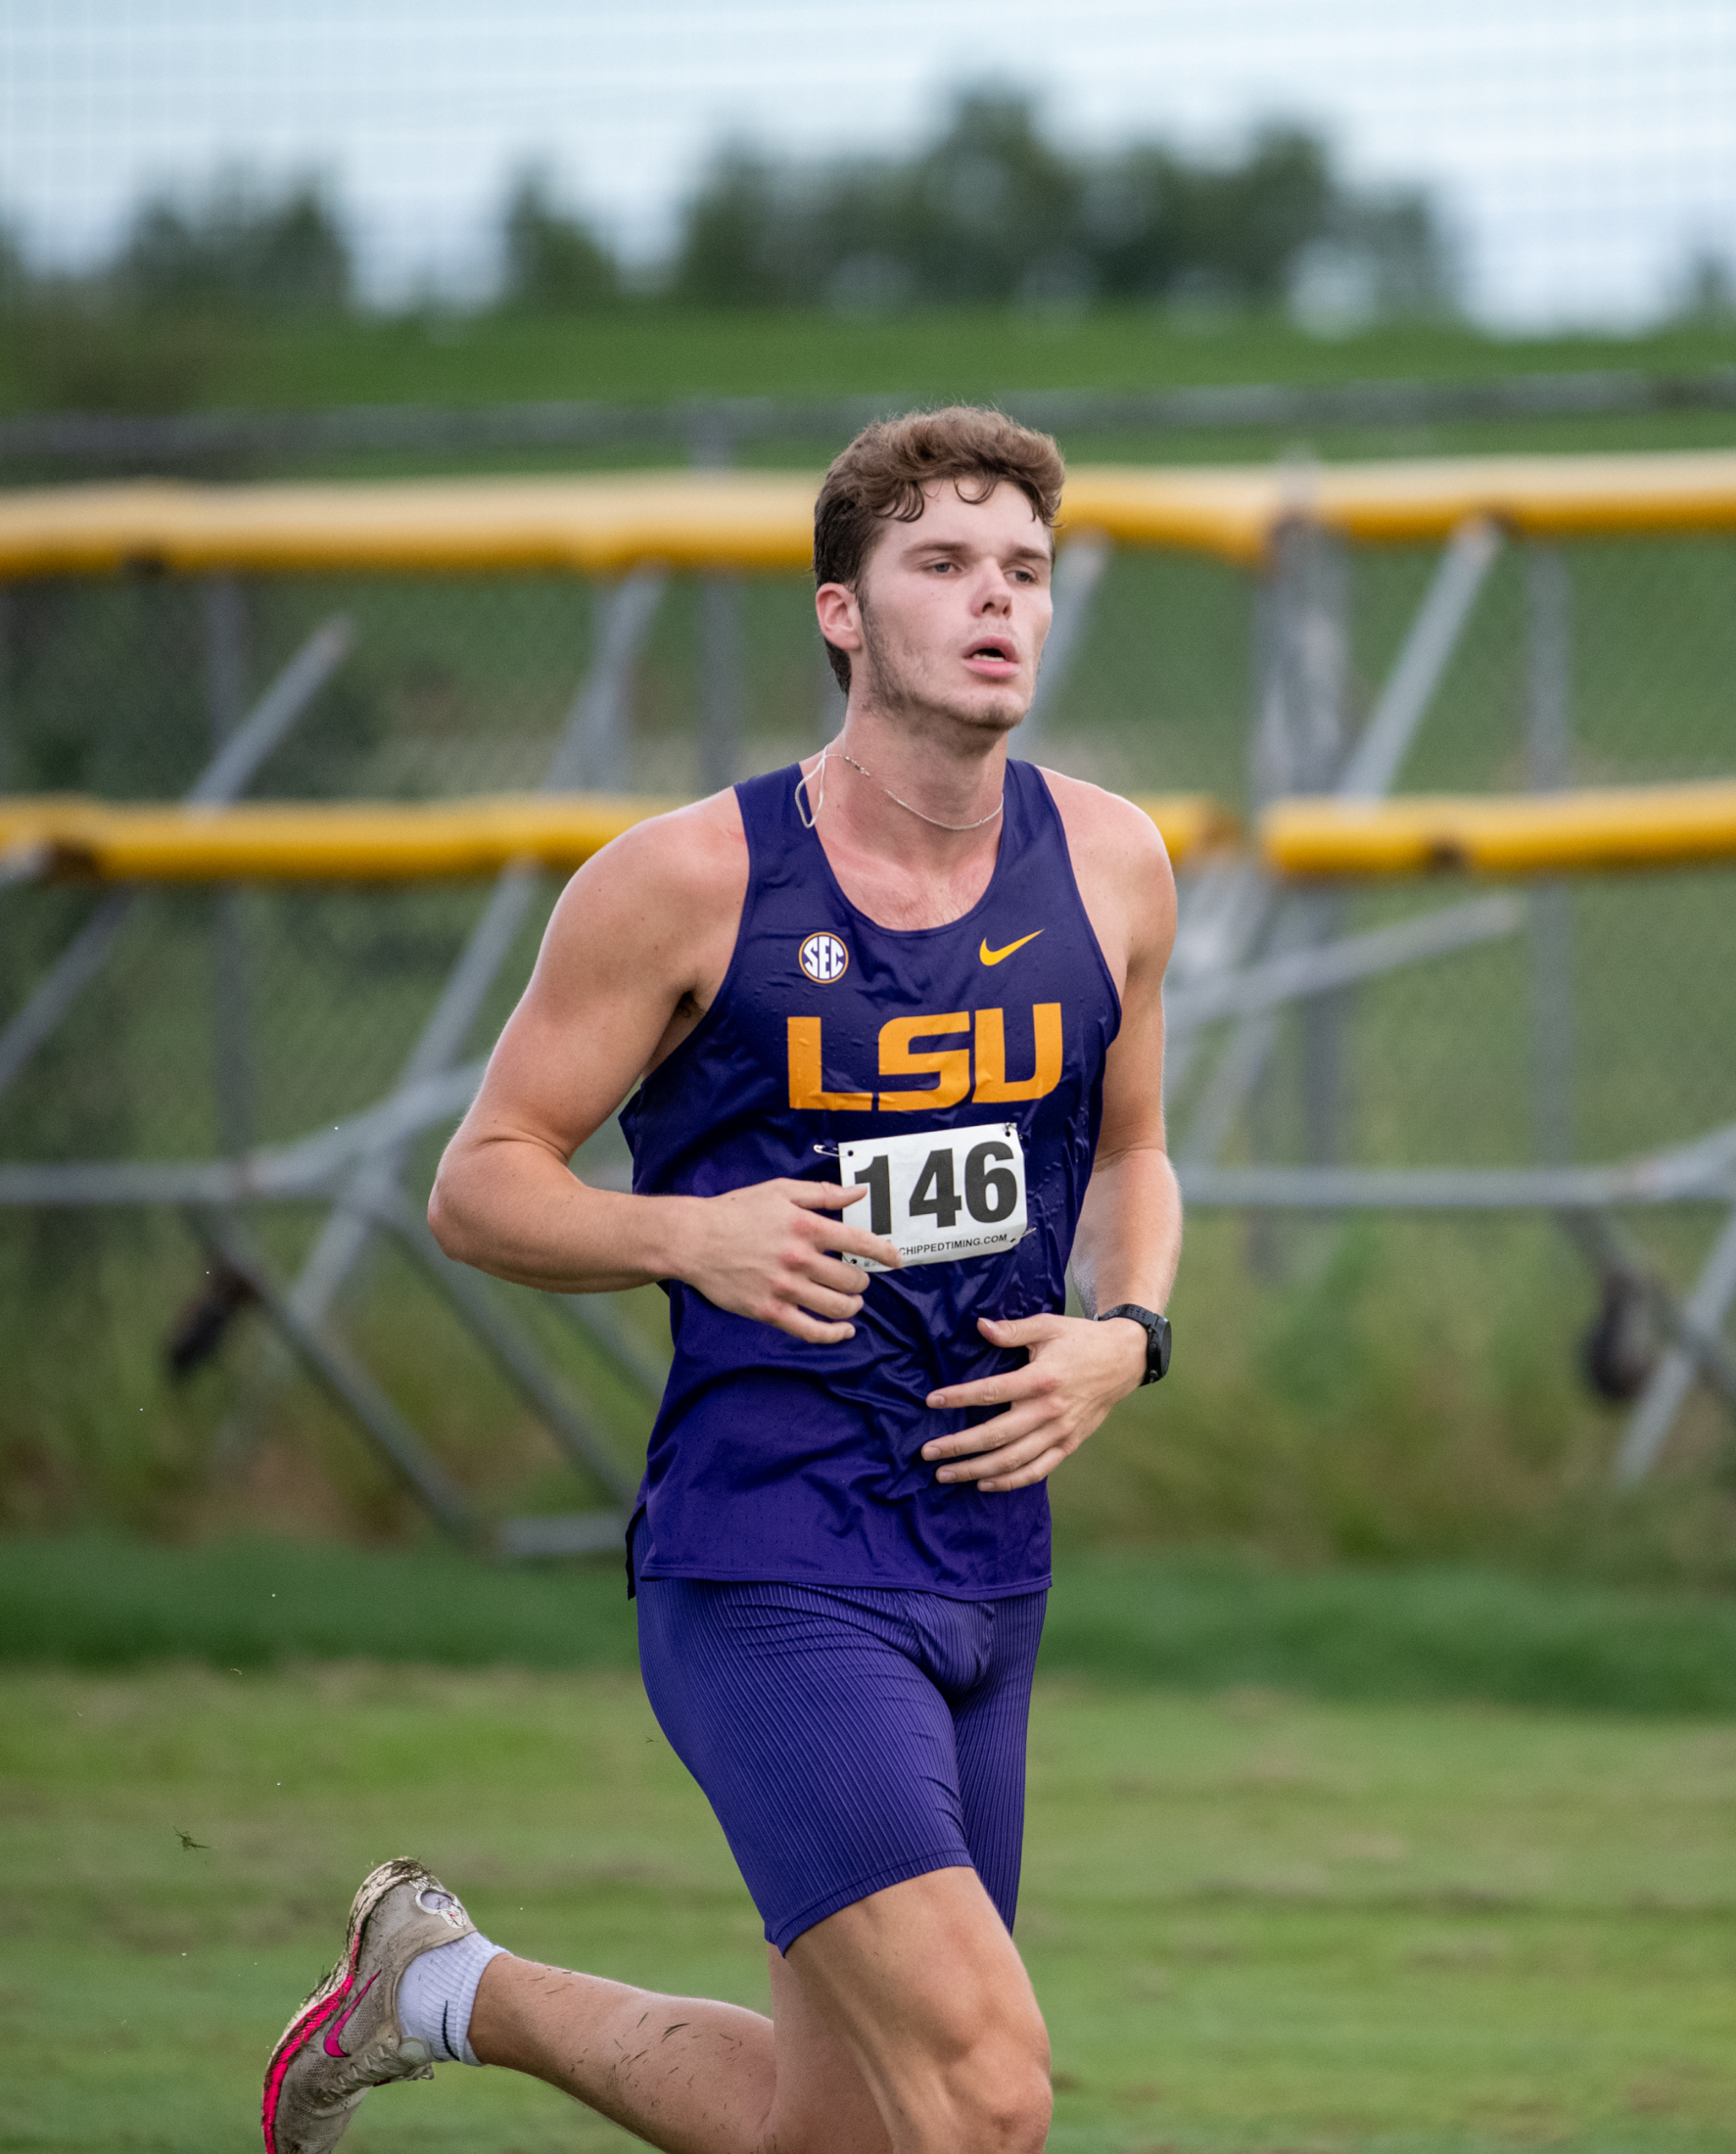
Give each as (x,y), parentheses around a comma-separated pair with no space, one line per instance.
(954,608)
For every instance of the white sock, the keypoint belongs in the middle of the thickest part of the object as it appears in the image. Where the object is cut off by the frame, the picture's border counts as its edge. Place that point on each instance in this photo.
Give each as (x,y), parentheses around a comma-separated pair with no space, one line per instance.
(436,1991)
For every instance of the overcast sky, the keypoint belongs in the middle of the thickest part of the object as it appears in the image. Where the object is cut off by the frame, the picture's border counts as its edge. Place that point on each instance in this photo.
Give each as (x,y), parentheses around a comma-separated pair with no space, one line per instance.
(1581,149)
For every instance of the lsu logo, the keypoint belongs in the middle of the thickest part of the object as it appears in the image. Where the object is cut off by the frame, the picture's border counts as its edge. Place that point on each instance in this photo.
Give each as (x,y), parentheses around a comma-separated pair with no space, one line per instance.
(823,958)
(975,1071)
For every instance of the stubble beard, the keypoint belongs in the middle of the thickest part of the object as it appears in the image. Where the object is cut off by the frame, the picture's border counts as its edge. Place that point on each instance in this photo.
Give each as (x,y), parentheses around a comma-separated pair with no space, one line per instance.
(898,689)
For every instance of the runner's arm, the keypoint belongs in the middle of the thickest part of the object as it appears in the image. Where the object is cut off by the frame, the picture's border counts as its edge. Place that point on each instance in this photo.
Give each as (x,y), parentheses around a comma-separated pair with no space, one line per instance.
(636,948)
(1128,1241)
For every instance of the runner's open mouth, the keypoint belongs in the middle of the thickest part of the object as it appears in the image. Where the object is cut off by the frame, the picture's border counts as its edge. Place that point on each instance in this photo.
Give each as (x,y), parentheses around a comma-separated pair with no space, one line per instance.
(1001,652)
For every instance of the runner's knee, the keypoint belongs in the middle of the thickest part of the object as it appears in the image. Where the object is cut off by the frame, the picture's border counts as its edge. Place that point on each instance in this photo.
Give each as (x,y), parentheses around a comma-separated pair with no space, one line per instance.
(997,2089)
(1001,2096)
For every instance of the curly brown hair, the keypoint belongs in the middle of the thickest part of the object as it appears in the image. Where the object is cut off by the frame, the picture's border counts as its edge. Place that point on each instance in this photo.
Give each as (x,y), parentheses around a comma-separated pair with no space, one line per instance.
(881,477)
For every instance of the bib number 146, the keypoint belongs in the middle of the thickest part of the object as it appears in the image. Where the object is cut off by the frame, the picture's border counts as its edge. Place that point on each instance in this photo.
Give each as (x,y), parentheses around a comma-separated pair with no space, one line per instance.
(939,1194)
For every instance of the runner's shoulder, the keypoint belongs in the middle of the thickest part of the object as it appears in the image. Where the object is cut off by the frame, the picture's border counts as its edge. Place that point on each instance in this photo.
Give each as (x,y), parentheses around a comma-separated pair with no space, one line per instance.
(1104,826)
(695,854)
(656,904)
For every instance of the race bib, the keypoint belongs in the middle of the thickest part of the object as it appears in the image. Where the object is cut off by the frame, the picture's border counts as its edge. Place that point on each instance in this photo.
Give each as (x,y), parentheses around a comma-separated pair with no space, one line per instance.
(939,1194)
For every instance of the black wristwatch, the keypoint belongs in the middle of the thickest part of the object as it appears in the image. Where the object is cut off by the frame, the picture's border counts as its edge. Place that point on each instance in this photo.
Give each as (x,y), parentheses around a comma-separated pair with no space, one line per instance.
(1157,1331)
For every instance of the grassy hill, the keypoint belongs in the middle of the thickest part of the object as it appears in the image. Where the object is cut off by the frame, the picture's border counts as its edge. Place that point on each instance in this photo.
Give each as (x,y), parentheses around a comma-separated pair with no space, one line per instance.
(653,354)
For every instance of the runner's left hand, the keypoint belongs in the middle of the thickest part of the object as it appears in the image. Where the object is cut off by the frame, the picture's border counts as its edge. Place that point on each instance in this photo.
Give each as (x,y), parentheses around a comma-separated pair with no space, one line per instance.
(1076,1372)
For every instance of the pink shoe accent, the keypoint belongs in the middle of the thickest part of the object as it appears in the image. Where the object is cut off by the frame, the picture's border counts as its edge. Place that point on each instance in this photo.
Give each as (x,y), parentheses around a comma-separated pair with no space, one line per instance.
(333,2046)
(336,2000)
(296,2036)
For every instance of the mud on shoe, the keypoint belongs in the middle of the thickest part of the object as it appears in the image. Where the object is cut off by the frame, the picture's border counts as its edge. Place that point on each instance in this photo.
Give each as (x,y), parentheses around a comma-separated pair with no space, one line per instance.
(347,2037)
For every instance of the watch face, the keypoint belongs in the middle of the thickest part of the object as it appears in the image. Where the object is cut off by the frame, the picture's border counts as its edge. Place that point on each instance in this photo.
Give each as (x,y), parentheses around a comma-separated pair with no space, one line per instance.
(1158,1351)
(1157,1331)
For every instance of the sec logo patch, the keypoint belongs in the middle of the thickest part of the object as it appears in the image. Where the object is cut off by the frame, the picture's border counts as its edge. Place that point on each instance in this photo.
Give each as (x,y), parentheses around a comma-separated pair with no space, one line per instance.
(823,958)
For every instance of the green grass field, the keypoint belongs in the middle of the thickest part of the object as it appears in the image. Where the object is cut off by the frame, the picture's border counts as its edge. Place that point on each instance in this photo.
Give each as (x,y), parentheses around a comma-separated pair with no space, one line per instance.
(656,353)
(1255,1922)
(1198,1621)
(648,354)
(1412,1862)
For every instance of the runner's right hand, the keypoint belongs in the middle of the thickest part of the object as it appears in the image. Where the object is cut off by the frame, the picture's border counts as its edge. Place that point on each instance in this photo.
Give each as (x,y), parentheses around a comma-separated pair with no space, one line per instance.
(763,1252)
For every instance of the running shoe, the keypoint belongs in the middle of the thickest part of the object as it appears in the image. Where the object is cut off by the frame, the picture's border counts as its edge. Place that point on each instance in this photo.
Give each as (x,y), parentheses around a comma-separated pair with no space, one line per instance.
(347,2037)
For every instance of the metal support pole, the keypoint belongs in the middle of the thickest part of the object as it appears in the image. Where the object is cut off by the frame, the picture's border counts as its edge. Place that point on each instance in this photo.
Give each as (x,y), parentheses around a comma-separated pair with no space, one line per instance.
(267,725)
(1368,772)
(224,779)
(1379,756)
(1323,666)
(226,672)
(308,1170)
(598,1318)
(1078,571)
(471,1295)
(1298,747)
(1278,755)
(1223,911)
(225,654)
(1244,1055)
(589,726)
(1324,1020)
(712,447)
(1606,1249)
(49,1000)
(1548,756)
(1702,1171)
(1263,1249)
(590,723)
(1320,969)
(1299,741)
(1655,1414)
(337,1371)
(721,681)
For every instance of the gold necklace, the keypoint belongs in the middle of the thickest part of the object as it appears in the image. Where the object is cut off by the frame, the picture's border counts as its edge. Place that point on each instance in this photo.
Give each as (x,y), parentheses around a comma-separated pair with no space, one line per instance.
(808,810)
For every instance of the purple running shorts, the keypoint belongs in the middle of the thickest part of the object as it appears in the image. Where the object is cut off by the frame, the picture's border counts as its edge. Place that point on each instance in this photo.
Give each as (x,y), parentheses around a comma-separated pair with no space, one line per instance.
(847,1739)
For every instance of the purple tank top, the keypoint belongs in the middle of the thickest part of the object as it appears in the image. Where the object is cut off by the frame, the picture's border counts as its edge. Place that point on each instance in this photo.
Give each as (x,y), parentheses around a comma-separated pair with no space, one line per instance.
(772,1459)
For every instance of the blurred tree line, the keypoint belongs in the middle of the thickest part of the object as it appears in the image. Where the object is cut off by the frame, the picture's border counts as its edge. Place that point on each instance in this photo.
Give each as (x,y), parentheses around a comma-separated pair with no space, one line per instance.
(988,211)
(991,213)
(239,246)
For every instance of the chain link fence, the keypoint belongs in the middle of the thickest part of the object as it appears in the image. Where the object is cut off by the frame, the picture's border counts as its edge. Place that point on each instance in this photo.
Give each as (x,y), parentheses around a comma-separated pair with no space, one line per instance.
(1587,1021)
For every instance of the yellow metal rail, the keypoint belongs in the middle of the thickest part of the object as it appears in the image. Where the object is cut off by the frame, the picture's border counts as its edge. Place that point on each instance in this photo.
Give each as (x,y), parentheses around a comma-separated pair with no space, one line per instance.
(764,520)
(358,841)
(371,841)
(1235,512)
(1503,834)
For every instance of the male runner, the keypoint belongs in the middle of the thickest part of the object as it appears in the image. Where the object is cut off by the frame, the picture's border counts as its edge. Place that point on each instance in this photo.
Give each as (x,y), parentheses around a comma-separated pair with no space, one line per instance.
(905,997)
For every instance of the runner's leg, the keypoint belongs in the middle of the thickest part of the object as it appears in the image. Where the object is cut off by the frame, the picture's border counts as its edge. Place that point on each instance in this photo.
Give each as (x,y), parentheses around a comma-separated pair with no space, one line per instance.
(904,2024)
(689,2075)
(903,2016)
(926,1989)
(814,1722)
(991,1728)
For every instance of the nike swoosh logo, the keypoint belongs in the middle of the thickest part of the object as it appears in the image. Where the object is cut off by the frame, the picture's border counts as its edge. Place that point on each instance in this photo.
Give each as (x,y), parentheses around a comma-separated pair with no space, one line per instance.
(994,957)
(333,2047)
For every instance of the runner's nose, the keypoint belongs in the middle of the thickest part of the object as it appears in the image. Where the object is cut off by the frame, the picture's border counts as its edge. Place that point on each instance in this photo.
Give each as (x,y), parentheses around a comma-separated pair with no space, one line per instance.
(995,593)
